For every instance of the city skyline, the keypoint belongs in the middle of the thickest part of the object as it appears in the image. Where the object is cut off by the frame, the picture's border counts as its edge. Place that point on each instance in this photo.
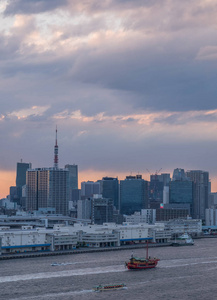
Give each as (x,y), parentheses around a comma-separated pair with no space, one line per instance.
(130,85)
(83,177)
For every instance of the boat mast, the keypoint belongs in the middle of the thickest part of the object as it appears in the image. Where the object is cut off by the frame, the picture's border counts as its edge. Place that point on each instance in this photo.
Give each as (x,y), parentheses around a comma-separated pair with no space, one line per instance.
(147,249)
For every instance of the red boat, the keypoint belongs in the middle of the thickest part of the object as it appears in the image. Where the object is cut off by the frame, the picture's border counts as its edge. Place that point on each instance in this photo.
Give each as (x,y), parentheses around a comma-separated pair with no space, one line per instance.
(142,263)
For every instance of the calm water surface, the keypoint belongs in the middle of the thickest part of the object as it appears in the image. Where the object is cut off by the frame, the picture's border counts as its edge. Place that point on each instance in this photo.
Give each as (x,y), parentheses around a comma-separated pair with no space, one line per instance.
(182,273)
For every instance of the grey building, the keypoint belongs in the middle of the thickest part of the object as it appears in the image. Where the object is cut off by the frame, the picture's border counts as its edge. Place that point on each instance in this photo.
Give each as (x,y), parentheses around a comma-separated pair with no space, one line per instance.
(182,192)
(165,178)
(60,241)
(73,176)
(156,188)
(48,188)
(73,180)
(21,173)
(179,174)
(84,209)
(75,195)
(110,189)
(90,188)
(201,192)
(16,191)
(133,194)
(15,194)
(102,210)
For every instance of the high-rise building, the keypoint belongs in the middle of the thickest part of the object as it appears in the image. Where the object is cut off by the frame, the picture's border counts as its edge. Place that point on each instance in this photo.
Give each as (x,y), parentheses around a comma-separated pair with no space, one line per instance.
(84,209)
(201,192)
(90,188)
(21,173)
(165,178)
(182,192)
(179,174)
(73,176)
(156,188)
(102,210)
(133,194)
(110,189)
(73,181)
(48,188)
(16,192)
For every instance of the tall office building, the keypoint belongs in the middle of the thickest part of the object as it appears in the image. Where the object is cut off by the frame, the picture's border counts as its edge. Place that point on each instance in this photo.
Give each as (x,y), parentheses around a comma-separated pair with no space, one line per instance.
(21,173)
(201,192)
(73,176)
(165,178)
(48,188)
(102,210)
(179,174)
(20,181)
(73,182)
(90,188)
(14,194)
(133,194)
(84,209)
(110,189)
(155,189)
(181,192)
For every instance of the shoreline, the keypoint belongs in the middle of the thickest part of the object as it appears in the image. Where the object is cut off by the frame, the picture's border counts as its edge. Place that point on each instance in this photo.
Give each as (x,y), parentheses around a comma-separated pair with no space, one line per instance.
(79,251)
(90,250)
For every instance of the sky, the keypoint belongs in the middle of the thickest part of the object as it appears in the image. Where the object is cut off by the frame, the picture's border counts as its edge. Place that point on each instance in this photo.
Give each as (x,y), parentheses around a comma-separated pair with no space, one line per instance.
(130,85)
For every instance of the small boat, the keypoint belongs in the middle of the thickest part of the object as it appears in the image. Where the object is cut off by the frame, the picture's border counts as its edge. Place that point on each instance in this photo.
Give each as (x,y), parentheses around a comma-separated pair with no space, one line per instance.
(108,287)
(142,263)
(183,240)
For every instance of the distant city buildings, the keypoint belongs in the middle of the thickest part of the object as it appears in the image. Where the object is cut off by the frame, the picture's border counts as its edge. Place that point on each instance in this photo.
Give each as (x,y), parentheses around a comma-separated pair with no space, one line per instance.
(102,210)
(84,209)
(201,192)
(182,192)
(157,185)
(145,216)
(110,189)
(73,176)
(133,194)
(16,191)
(21,173)
(179,175)
(48,188)
(90,188)
(74,192)
(55,190)
(211,217)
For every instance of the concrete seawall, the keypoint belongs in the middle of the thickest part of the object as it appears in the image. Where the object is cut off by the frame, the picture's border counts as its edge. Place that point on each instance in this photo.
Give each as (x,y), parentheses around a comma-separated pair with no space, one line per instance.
(78,251)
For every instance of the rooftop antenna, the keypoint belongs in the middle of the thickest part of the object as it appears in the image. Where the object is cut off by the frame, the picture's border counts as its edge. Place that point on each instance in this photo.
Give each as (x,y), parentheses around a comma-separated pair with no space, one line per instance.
(56,153)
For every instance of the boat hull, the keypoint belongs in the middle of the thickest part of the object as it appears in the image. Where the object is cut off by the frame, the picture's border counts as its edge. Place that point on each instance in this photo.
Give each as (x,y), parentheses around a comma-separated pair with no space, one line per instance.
(103,288)
(142,266)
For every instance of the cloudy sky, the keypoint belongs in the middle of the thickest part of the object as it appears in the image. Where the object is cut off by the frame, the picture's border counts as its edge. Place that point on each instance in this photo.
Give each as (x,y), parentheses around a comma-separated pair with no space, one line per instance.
(130,84)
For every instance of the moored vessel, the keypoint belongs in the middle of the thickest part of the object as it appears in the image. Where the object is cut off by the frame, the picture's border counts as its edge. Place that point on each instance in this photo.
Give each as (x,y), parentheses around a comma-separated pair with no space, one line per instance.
(183,240)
